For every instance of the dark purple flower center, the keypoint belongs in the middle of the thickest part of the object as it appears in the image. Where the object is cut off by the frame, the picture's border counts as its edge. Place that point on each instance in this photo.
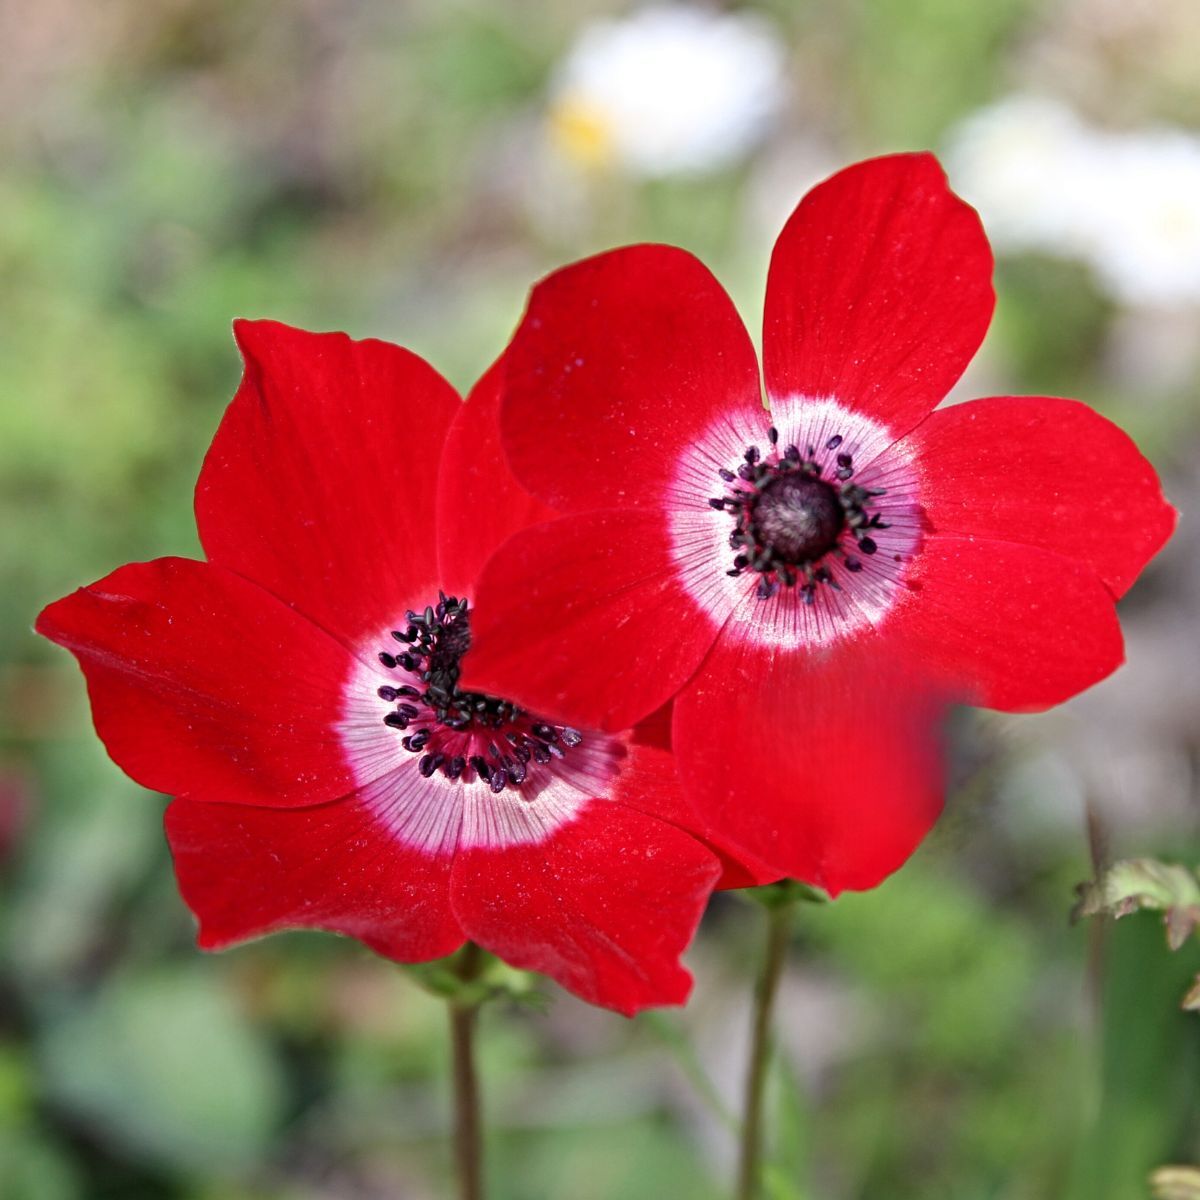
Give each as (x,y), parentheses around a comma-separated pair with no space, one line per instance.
(791,523)
(464,735)
(797,517)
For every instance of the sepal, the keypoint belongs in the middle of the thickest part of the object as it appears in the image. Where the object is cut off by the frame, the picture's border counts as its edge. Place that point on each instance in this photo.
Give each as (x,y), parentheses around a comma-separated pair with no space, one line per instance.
(784,893)
(471,977)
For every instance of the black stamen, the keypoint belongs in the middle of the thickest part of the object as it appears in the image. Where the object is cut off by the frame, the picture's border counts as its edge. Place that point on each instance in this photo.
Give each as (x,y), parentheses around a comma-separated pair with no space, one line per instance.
(438,638)
(791,516)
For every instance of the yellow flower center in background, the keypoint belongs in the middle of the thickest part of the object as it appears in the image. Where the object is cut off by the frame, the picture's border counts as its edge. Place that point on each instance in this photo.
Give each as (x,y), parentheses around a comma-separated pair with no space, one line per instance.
(582,132)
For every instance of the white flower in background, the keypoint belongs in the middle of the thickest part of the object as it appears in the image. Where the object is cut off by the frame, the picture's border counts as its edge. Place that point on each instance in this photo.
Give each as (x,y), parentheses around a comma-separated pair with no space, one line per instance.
(1126,203)
(1146,247)
(1025,163)
(667,90)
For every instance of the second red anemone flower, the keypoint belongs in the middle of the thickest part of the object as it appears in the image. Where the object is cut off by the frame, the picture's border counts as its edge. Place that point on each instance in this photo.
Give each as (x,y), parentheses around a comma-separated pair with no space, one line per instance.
(299,694)
(814,581)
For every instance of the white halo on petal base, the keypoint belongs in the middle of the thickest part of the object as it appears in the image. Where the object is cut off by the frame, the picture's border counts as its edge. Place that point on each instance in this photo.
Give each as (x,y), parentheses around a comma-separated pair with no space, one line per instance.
(437,815)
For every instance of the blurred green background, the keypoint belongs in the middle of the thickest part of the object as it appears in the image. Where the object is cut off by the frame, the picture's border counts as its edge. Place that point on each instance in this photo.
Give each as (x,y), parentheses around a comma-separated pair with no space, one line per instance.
(406,169)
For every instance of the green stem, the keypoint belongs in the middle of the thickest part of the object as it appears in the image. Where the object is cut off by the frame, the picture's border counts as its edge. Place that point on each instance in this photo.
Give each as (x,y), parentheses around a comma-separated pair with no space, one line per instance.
(779,927)
(468,1136)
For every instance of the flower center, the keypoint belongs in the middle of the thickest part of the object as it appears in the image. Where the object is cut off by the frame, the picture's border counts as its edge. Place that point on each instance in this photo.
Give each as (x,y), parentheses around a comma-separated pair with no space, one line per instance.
(464,735)
(797,517)
(791,523)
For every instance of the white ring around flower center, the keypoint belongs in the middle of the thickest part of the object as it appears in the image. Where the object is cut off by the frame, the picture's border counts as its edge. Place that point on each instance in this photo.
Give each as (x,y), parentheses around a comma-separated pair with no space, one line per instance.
(437,815)
(700,535)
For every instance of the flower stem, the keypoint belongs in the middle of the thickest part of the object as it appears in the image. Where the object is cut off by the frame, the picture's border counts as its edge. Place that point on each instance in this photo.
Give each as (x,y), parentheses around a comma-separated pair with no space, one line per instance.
(468,1139)
(779,927)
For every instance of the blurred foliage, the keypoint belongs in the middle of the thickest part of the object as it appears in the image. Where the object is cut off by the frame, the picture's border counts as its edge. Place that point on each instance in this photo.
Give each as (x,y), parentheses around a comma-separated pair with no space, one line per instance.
(1145,883)
(1176,1183)
(380,168)
(170,1036)
(1149,1071)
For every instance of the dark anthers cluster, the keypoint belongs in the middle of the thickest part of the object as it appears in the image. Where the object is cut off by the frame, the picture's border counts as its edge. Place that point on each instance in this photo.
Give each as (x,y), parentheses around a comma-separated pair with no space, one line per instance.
(434,643)
(789,517)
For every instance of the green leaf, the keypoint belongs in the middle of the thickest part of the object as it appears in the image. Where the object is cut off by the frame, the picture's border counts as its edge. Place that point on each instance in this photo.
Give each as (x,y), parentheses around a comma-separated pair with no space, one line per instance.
(1191,1001)
(1138,883)
(1149,1081)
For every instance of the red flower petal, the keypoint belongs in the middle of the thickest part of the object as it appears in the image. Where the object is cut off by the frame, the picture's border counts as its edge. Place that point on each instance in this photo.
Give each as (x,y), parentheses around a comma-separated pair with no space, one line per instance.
(205,686)
(825,765)
(1006,626)
(620,362)
(879,291)
(657,792)
(585,619)
(605,906)
(654,789)
(1044,472)
(319,484)
(479,501)
(246,872)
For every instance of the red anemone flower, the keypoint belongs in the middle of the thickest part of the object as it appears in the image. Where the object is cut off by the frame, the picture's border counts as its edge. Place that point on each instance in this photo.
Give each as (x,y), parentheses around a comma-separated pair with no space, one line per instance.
(298,694)
(814,581)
